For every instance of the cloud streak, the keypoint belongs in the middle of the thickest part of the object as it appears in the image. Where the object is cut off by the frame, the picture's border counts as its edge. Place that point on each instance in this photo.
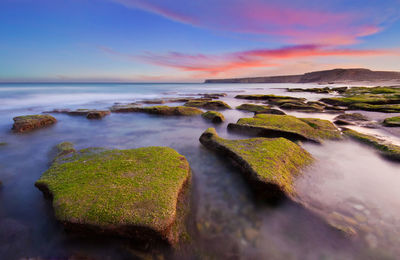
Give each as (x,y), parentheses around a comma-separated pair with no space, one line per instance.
(294,21)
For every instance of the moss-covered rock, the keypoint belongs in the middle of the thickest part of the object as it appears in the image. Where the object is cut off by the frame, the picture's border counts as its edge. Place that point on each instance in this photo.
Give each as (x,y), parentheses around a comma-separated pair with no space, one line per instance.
(214,116)
(64,148)
(270,98)
(392,121)
(269,164)
(260,109)
(372,99)
(88,113)
(302,106)
(375,108)
(387,150)
(350,119)
(158,110)
(213,95)
(211,104)
(131,193)
(305,129)
(32,122)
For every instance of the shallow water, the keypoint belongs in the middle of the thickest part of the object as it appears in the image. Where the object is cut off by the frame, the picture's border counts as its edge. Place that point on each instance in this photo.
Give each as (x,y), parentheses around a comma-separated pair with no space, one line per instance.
(229,222)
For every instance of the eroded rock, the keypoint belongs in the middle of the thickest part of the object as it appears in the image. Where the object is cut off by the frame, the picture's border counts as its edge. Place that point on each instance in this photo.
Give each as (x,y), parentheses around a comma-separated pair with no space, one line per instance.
(158,110)
(211,104)
(32,122)
(214,116)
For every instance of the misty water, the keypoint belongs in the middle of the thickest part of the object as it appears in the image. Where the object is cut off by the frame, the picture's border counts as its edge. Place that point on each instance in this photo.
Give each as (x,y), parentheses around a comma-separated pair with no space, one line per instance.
(348,185)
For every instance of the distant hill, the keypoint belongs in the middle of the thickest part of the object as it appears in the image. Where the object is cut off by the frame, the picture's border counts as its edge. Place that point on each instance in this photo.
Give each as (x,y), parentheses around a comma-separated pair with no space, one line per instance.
(324,76)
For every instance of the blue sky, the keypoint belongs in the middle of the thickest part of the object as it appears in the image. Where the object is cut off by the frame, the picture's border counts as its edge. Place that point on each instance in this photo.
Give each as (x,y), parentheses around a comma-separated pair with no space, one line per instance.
(162,40)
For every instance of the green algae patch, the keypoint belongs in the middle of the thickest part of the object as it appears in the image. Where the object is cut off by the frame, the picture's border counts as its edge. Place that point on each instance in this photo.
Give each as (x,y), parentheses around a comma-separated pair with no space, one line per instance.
(214,116)
(132,193)
(207,104)
(387,150)
(159,110)
(376,108)
(260,109)
(306,129)
(32,122)
(392,121)
(64,148)
(270,164)
(269,97)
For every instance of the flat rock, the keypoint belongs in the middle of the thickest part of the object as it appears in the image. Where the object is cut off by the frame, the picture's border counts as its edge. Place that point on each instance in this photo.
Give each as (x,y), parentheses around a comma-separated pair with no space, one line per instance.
(270,164)
(88,113)
(158,110)
(210,104)
(386,149)
(392,121)
(273,99)
(293,128)
(32,122)
(213,116)
(260,109)
(131,193)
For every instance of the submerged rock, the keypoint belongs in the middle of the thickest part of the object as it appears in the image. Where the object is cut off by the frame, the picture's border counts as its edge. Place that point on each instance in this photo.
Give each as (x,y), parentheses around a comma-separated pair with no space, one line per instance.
(270,164)
(32,122)
(159,110)
(211,104)
(392,121)
(304,129)
(131,193)
(260,109)
(89,113)
(214,116)
(386,149)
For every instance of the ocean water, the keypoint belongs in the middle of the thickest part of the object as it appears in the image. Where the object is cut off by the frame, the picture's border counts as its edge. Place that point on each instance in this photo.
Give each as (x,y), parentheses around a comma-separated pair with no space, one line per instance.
(349,183)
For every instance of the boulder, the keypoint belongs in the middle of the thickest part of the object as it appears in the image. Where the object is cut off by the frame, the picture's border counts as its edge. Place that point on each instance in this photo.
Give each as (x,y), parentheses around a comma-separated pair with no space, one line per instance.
(260,109)
(293,128)
(386,149)
(270,164)
(130,193)
(211,104)
(159,110)
(392,121)
(32,122)
(214,116)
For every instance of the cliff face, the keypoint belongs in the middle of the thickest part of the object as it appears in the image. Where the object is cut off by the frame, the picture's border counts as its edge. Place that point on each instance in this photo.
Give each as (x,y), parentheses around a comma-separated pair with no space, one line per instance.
(326,76)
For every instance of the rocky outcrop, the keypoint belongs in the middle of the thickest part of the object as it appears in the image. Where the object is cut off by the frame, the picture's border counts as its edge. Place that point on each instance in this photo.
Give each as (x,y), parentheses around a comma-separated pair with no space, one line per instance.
(214,116)
(158,110)
(386,149)
(260,109)
(293,128)
(270,165)
(392,121)
(212,104)
(32,122)
(130,193)
(88,113)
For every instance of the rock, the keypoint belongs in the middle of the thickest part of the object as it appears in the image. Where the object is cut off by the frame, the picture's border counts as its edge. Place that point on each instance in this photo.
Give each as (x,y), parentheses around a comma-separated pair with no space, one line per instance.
(32,122)
(64,148)
(350,119)
(97,114)
(392,121)
(387,150)
(371,99)
(303,129)
(214,116)
(131,193)
(312,90)
(125,108)
(273,99)
(213,104)
(270,165)
(3,144)
(89,113)
(376,108)
(301,106)
(260,109)
(213,95)
(159,110)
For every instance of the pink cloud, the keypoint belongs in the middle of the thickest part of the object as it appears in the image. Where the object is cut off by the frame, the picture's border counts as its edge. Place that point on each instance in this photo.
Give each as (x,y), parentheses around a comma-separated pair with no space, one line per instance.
(294,21)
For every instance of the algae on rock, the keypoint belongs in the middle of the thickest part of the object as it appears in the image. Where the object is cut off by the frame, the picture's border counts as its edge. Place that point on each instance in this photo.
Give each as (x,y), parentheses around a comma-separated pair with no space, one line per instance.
(132,193)
(304,129)
(214,116)
(32,122)
(270,164)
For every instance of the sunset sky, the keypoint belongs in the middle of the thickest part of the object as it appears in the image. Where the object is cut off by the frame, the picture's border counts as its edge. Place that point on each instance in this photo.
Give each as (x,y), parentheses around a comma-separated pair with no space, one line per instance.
(191,40)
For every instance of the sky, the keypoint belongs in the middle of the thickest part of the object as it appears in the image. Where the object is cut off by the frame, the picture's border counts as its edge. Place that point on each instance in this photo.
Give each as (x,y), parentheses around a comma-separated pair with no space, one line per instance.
(192,40)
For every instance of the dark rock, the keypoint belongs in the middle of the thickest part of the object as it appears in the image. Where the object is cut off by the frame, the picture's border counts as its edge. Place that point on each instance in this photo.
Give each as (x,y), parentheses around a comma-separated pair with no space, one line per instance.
(32,122)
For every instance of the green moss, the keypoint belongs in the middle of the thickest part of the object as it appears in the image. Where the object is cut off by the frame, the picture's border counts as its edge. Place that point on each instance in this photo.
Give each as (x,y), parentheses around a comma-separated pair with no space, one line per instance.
(111,188)
(311,128)
(310,107)
(386,149)
(372,90)
(208,104)
(159,110)
(376,108)
(272,160)
(214,116)
(254,108)
(392,121)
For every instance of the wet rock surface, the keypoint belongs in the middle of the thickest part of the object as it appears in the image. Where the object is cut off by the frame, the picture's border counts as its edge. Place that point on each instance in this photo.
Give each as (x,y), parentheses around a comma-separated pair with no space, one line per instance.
(213,116)
(32,122)
(158,110)
(211,104)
